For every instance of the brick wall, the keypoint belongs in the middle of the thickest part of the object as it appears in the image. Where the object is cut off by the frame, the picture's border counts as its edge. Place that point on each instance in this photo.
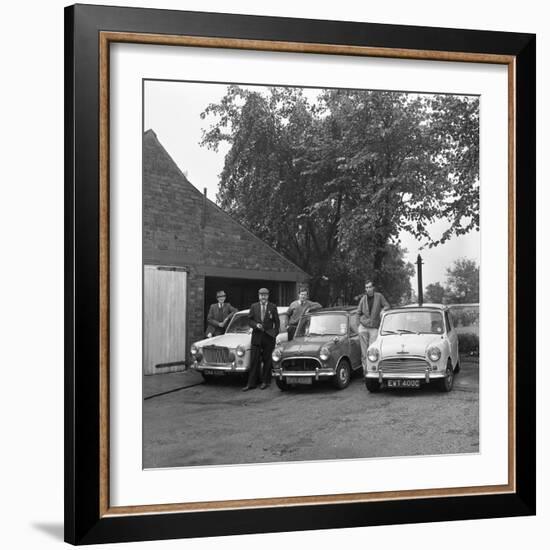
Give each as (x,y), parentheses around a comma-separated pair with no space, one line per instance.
(195,304)
(173,232)
(173,211)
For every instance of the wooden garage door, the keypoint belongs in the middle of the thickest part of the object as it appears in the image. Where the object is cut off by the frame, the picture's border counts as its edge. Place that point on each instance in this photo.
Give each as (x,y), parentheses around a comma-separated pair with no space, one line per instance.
(164,314)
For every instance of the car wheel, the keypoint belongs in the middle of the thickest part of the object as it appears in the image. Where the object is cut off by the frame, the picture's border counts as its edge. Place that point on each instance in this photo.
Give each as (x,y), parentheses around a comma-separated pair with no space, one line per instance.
(281,384)
(446,385)
(457,367)
(343,375)
(372,385)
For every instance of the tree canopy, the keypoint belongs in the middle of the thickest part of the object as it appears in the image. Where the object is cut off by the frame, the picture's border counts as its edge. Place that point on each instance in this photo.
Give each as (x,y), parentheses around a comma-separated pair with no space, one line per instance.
(463,282)
(331,180)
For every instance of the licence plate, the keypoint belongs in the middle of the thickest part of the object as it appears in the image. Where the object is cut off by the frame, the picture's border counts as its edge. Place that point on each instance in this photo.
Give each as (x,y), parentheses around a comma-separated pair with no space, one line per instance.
(212,372)
(403,383)
(298,380)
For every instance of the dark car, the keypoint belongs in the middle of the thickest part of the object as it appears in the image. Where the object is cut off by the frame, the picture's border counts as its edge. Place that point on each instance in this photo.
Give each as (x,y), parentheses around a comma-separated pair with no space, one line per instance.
(325,347)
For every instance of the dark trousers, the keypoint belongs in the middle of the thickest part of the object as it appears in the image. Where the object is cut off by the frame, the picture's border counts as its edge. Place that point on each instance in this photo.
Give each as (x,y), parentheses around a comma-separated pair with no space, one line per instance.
(291,329)
(261,353)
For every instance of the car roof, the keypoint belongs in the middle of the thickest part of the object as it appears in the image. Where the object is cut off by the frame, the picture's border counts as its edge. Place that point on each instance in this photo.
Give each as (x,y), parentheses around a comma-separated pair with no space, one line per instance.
(335,309)
(439,307)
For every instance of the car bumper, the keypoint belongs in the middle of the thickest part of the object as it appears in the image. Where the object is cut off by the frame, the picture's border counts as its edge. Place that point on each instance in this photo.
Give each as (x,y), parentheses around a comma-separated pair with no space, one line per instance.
(425,376)
(225,368)
(316,373)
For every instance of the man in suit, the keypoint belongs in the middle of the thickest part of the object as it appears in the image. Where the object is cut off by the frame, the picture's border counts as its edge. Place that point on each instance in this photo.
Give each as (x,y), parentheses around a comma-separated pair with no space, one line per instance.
(264,321)
(219,315)
(371,305)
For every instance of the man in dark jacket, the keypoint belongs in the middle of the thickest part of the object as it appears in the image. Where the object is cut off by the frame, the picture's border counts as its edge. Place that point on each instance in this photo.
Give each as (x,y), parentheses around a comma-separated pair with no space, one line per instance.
(371,305)
(264,320)
(219,315)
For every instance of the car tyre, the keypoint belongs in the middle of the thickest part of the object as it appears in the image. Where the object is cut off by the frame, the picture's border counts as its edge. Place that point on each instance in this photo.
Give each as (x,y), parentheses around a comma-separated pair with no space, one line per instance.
(342,376)
(372,385)
(446,385)
(281,384)
(457,367)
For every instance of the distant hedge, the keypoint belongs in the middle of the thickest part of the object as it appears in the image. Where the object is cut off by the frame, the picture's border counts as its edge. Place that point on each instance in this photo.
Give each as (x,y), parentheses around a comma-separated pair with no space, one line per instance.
(465,316)
(468,342)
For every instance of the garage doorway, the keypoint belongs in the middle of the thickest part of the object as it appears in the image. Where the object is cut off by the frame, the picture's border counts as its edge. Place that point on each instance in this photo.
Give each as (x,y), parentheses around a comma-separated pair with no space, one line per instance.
(243,292)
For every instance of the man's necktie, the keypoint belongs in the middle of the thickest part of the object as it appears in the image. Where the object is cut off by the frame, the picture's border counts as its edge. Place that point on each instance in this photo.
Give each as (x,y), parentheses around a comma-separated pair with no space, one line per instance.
(263,313)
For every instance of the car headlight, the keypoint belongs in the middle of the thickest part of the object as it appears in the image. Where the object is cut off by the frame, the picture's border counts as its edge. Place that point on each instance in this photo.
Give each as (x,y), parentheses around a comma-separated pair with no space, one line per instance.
(276,355)
(434,353)
(194,349)
(373,355)
(240,351)
(324,353)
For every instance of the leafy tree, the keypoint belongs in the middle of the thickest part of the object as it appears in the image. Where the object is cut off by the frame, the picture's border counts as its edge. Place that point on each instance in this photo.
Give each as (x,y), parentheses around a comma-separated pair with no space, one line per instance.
(456,125)
(463,282)
(331,183)
(434,293)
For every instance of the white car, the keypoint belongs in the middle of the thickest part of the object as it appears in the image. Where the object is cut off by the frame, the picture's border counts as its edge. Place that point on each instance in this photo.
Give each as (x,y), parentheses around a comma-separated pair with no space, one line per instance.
(415,345)
(229,353)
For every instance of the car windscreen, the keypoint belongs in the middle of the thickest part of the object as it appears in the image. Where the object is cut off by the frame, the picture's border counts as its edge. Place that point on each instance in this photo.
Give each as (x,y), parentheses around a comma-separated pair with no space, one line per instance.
(403,322)
(320,325)
(239,323)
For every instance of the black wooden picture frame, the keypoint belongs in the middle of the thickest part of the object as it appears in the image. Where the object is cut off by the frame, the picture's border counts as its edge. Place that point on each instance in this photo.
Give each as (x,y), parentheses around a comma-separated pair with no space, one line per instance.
(88,518)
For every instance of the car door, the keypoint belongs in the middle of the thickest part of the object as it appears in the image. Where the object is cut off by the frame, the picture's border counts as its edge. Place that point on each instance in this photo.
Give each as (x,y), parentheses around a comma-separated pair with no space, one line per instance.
(354,344)
(453,338)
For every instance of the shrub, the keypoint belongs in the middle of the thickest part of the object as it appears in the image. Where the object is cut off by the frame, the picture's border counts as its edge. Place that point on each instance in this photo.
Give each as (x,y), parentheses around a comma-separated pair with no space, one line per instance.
(468,342)
(465,316)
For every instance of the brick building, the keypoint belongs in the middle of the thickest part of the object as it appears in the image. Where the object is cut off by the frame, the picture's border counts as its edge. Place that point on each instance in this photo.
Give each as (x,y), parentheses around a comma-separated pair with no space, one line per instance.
(191,249)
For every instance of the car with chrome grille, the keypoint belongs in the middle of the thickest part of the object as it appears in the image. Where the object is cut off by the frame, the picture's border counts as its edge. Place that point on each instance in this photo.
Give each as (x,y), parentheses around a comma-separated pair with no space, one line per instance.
(416,345)
(229,353)
(325,347)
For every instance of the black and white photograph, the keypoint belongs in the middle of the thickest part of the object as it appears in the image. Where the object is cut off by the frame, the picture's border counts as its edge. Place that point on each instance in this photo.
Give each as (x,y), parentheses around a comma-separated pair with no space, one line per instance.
(311,268)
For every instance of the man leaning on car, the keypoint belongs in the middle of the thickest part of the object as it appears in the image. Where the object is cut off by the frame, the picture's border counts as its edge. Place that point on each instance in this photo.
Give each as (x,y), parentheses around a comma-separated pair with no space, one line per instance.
(219,315)
(371,305)
(298,308)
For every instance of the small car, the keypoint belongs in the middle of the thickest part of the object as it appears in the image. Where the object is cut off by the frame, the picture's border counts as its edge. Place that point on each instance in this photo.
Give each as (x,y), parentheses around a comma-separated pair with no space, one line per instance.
(229,353)
(325,347)
(415,345)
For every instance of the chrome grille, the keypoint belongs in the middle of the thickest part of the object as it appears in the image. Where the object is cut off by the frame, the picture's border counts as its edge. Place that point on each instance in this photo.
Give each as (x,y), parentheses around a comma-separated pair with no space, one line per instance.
(216,355)
(404,365)
(300,364)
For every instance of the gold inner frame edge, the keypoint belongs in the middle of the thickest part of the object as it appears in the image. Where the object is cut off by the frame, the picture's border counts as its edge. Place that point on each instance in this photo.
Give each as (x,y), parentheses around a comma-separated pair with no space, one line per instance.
(105,39)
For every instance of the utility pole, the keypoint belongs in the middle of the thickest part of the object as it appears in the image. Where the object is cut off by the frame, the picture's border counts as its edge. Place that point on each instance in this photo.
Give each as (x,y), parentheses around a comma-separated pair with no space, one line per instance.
(419,277)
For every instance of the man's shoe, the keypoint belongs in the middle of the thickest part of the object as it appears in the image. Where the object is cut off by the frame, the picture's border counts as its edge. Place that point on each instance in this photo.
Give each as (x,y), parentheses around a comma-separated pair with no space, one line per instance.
(246,388)
(264,386)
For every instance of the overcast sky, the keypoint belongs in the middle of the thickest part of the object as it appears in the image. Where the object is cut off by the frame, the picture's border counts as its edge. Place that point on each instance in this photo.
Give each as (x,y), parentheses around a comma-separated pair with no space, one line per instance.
(172,110)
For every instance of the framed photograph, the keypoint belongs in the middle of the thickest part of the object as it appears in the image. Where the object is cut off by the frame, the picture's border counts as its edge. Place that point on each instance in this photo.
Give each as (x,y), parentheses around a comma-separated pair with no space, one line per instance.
(300,274)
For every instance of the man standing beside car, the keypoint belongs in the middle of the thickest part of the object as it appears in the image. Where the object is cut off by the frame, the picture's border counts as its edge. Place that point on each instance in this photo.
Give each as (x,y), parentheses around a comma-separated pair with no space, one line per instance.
(297,309)
(219,315)
(264,321)
(371,305)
